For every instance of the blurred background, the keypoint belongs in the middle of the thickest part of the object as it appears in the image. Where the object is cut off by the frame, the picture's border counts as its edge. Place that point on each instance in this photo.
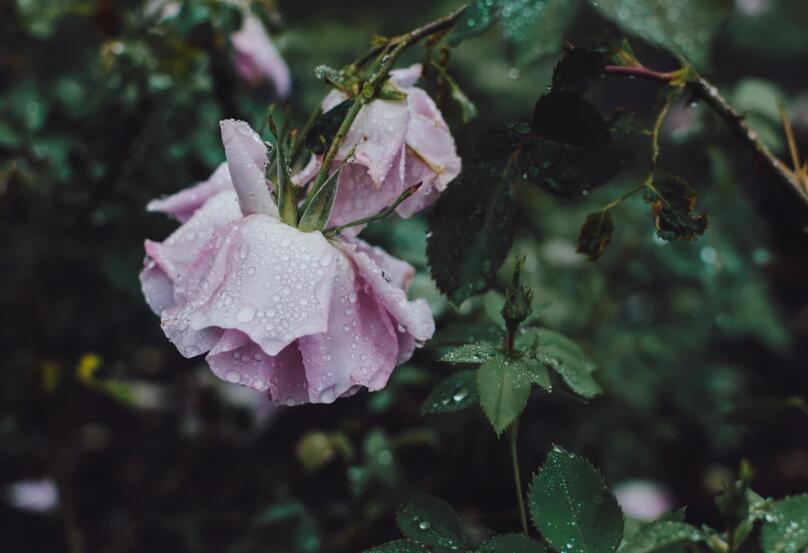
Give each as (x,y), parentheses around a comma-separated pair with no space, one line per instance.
(110,441)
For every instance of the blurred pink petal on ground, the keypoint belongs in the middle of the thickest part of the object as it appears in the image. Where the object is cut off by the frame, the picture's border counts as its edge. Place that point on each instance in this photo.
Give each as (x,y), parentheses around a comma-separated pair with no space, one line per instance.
(643,500)
(257,58)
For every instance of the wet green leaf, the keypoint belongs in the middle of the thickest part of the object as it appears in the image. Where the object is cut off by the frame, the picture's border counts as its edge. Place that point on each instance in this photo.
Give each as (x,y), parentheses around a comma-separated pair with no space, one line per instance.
(578,70)
(430,521)
(455,393)
(470,353)
(471,229)
(660,534)
(325,127)
(785,529)
(685,27)
(478,17)
(595,235)
(672,201)
(398,546)
(504,388)
(535,28)
(571,152)
(511,543)
(571,506)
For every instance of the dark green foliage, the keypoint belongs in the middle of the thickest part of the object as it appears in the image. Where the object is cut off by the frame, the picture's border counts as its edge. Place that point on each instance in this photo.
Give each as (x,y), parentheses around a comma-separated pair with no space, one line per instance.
(672,201)
(430,521)
(471,232)
(571,506)
(685,27)
(785,529)
(456,393)
(511,543)
(325,127)
(595,235)
(533,28)
(503,388)
(572,152)
(578,70)
(661,535)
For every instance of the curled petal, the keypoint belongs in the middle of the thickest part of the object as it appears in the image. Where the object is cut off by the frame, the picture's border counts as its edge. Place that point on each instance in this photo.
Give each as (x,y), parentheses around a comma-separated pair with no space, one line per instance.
(238,360)
(430,138)
(170,259)
(261,277)
(359,348)
(157,287)
(257,58)
(399,272)
(308,172)
(407,76)
(183,204)
(414,317)
(247,161)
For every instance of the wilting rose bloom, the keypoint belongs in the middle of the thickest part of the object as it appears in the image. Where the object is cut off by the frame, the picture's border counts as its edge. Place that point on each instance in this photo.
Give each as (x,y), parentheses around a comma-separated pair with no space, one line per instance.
(256,59)
(292,313)
(398,144)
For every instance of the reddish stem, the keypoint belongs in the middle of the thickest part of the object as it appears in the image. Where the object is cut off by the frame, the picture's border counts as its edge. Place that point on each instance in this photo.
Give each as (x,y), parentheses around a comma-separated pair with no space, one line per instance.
(639,72)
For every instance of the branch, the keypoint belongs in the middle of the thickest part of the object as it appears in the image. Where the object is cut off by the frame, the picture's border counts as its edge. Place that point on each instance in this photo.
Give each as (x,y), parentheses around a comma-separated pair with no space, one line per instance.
(709,94)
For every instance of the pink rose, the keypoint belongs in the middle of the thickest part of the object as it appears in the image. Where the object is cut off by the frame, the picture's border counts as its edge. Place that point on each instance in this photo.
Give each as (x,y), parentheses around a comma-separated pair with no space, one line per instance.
(398,144)
(257,59)
(288,312)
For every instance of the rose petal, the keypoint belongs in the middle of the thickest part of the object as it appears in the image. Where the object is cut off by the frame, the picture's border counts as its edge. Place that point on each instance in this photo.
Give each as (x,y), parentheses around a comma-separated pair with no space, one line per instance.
(399,272)
(360,346)
(247,161)
(157,287)
(261,277)
(171,258)
(308,172)
(414,317)
(429,136)
(184,203)
(257,57)
(238,360)
(406,77)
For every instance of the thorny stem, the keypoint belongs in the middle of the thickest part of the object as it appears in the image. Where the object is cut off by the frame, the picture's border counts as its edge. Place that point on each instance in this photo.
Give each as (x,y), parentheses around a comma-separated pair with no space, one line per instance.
(388,54)
(517,480)
(702,89)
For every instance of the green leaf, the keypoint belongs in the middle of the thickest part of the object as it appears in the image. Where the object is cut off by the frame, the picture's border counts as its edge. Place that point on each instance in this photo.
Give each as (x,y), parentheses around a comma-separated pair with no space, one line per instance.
(563,356)
(398,546)
(578,70)
(470,353)
(325,127)
(430,521)
(503,388)
(471,229)
(575,372)
(511,543)
(535,371)
(785,529)
(478,17)
(571,151)
(685,27)
(672,201)
(318,210)
(595,235)
(456,393)
(656,535)
(535,28)
(571,506)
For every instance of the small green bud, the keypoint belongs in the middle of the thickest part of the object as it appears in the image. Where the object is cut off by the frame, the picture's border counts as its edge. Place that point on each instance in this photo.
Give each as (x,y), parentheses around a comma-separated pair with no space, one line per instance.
(519,299)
